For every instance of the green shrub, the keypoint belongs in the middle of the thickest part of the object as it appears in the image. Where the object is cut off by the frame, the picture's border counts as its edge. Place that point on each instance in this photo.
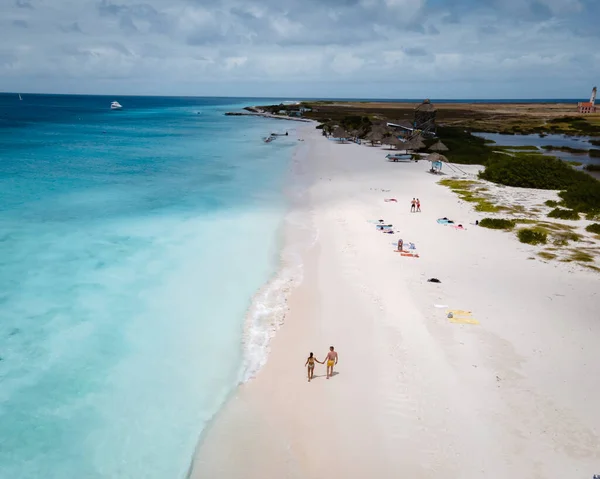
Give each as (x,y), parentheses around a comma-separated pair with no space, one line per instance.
(593,228)
(531,236)
(551,203)
(464,148)
(581,192)
(592,167)
(497,223)
(584,196)
(594,153)
(563,214)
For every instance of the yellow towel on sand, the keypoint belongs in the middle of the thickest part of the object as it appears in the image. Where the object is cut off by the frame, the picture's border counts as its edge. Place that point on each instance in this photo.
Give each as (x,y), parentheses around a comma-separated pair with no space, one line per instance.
(460,316)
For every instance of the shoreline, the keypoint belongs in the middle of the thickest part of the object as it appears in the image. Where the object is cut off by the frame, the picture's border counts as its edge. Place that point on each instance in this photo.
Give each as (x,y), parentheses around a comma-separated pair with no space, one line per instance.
(459,398)
(287,276)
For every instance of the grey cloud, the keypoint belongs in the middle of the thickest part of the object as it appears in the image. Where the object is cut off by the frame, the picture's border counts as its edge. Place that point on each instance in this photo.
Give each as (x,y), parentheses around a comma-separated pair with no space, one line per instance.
(159,22)
(23,4)
(415,51)
(539,11)
(432,30)
(7,59)
(126,24)
(71,28)
(108,9)
(488,30)
(274,39)
(451,18)
(417,27)
(20,23)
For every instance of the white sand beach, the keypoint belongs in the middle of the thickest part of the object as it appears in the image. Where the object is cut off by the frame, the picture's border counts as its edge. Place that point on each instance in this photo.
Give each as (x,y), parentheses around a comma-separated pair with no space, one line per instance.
(416,395)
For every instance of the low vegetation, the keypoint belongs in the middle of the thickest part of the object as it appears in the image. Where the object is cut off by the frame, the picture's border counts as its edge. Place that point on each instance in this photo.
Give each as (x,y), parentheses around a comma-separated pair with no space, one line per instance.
(594,153)
(497,223)
(463,147)
(563,238)
(593,228)
(563,214)
(546,255)
(551,203)
(463,189)
(580,191)
(592,167)
(516,148)
(532,236)
(566,149)
(580,256)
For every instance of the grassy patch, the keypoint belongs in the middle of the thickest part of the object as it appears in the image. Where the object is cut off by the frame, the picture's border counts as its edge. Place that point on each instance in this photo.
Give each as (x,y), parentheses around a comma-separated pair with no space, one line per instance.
(517,148)
(532,236)
(566,149)
(462,189)
(546,255)
(551,203)
(457,184)
(592,267)
(484,206)
(563,239)
(525,221)
(561,214)
(574,163)
(497,223)
(593,228)
(547,226)
(594,153)
(581,256)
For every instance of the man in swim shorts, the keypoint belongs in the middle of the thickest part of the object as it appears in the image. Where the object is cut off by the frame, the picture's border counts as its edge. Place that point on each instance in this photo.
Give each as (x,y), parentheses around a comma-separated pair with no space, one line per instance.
(332,360)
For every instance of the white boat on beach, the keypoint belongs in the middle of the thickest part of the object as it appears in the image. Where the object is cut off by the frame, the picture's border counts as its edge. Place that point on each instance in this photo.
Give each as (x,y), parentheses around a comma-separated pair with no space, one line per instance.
(115,105)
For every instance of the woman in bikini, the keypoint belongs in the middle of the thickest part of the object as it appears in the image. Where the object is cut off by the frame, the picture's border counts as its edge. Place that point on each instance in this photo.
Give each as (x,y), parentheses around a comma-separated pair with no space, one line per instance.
(310,362)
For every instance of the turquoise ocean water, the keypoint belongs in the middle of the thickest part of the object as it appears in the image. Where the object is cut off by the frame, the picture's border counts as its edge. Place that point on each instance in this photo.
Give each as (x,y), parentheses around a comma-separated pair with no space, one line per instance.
(131,245)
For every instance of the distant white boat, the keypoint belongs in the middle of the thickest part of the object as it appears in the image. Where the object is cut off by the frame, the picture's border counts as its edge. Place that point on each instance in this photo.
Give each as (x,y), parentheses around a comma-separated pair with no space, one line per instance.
(20,97)
(115,105)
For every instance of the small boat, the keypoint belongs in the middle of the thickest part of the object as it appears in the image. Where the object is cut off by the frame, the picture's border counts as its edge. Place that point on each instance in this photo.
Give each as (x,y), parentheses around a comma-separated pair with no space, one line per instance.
(115,105)
(399,157)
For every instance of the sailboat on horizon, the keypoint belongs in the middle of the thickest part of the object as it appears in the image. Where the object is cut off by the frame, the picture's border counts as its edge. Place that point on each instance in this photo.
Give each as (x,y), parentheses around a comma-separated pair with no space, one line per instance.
(20,97)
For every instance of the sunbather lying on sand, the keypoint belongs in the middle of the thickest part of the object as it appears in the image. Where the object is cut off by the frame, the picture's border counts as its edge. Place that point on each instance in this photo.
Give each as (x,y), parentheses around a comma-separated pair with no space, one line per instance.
(390,200)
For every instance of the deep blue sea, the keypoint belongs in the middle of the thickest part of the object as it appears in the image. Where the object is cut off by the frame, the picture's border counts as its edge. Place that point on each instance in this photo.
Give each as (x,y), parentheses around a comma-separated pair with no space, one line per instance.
(132,243)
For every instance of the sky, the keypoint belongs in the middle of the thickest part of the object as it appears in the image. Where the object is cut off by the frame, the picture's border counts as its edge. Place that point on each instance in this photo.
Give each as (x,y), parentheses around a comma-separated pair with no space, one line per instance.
(307,49)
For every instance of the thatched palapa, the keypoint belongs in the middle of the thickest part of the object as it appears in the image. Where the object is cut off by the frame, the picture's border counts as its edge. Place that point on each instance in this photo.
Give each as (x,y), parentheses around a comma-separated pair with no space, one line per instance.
(414,143)
(437,157)
(340,133)
(438,146)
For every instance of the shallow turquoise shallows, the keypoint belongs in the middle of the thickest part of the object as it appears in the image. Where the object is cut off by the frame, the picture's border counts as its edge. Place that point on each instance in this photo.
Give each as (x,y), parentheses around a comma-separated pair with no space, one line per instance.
(131,245)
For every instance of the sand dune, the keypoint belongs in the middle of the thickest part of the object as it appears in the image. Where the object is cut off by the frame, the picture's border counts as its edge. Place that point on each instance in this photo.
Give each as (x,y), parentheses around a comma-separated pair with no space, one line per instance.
(417,395)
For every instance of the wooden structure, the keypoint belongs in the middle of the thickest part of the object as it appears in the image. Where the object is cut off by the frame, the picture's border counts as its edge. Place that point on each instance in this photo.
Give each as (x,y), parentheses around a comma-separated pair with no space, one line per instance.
(424,120)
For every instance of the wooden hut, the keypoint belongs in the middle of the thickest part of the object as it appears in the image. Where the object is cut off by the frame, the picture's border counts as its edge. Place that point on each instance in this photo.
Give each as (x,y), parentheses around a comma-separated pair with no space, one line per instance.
(438,146)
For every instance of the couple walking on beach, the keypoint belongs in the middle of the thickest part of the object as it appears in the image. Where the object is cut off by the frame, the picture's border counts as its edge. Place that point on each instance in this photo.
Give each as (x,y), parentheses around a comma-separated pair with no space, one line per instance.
(415,205)
(331,358)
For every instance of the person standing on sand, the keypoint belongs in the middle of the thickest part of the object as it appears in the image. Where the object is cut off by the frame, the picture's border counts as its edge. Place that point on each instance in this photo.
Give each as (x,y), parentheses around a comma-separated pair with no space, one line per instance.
(413,204)
(310,362)
(400,244)
(418,205)
(332,360)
